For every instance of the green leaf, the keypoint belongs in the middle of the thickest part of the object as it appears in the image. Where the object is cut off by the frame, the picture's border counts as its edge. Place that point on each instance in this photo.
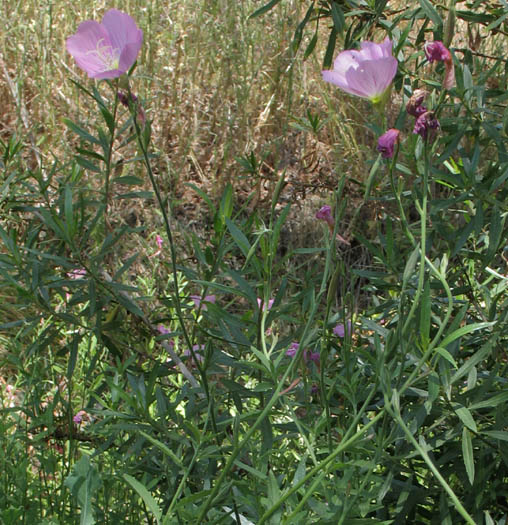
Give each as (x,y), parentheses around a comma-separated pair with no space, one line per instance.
(264,9)
(496,434)
(444,353)
(494,401)
(465,416)
(431,12)
(239,237)
(473,327)
(339,22)
(81,132)
(83,482)
(167,451)
(467,453)
(145,496)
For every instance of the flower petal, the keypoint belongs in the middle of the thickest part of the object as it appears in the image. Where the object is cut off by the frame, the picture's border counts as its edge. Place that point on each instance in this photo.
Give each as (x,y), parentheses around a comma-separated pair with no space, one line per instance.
(125,36)
(84,44)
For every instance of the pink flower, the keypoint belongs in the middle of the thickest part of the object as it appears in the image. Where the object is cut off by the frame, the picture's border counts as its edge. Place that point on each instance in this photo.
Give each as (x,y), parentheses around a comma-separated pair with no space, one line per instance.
(76,274)
(198,350)
(78,418)
(340,329)
(386,143)
(293,348)
(367,73)
(107,49)
(266,306)
(158,240)
(206,299)
(424,123)
(312,356)
(436,51)
(415,105)
(325,214)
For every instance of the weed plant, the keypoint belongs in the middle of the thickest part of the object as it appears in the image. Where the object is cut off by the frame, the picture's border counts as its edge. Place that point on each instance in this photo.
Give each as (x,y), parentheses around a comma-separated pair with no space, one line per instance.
(175,350)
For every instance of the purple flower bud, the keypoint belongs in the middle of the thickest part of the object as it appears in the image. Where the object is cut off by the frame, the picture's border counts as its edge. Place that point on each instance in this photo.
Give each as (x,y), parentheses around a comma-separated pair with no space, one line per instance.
(414,106)
(293,348)
(312,356)
(325,214)
(386,143)
(206,299)
(425,123)
(437,51)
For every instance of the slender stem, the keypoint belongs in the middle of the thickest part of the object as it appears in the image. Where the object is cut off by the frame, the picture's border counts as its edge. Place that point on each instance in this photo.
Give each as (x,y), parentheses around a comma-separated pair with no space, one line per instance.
(109,157)
(458,505)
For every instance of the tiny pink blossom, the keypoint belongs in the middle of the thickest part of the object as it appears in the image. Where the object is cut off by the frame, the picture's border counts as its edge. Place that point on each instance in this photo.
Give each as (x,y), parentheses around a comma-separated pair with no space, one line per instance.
(107,49)
(325,214)
(367,73)
(266,306)
(386,143)
(198,351)
(426,125)
(159,241)
(76,274)
(340,329)
(196,299)
(293,348)
(78,418)
(312,356)
(437,51)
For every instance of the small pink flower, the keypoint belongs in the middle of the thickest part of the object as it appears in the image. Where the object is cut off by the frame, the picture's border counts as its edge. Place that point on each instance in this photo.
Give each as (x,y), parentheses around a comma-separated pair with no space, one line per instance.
(162,329)
(293,349)
(76,274)
(206,299)
(159,241)
(415,105)
(198,350)
(367,73)
(266,306)
(340,329)
(436,51)
(386,143)
(107,49)
(426,125)
(312,356)
(78,418)
(325,214)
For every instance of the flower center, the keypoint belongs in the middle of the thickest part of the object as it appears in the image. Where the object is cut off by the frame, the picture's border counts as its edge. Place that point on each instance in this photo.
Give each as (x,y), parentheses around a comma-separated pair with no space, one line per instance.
(108,55)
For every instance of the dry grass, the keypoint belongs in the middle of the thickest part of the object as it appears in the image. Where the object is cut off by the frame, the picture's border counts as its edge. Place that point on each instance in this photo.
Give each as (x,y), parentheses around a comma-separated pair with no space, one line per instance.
(217,86)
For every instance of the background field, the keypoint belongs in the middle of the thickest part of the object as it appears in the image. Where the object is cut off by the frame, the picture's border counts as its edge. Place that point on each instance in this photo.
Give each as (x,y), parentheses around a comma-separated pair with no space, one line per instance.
(401,418)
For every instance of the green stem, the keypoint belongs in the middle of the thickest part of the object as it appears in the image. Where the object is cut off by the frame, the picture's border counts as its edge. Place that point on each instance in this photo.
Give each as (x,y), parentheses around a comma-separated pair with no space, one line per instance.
(114,87)
(458,505)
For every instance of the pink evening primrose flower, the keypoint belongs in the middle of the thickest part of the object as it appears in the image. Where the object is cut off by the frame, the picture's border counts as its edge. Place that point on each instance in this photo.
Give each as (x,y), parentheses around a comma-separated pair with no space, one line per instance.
(386,143)
(206,299)
(367,73)
(158,240)
(107,49)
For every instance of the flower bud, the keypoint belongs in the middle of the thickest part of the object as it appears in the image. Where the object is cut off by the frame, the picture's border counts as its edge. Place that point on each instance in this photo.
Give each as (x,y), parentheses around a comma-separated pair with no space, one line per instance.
(415,105)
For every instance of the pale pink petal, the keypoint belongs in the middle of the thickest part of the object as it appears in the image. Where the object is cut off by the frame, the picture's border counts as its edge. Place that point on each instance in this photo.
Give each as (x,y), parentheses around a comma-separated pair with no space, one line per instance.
(122,29)
(84,44)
